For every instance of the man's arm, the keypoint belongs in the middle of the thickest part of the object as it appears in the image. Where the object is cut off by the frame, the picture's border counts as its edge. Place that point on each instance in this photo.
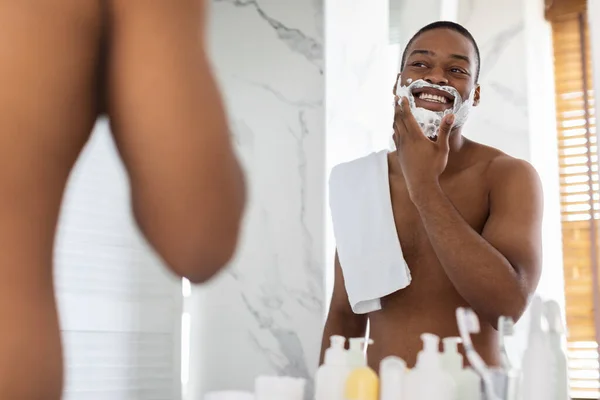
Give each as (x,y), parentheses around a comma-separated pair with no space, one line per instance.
(170,126)
(498,271)
(341,320)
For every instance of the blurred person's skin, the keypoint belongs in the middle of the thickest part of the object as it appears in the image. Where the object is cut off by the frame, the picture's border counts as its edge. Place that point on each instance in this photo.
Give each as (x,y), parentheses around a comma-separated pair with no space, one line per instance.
(143,63)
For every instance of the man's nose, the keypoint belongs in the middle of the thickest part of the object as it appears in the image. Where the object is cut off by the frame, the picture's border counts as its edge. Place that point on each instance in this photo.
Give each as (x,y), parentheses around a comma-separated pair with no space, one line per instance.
(436,76)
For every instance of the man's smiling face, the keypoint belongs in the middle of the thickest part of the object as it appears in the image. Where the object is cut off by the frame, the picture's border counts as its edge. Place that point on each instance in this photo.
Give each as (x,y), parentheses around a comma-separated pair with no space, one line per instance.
(442,57)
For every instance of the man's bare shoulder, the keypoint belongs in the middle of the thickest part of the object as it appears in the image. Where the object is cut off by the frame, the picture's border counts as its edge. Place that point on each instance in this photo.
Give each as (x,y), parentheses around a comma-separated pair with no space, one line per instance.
(505,167)
(500,165)
(502,169)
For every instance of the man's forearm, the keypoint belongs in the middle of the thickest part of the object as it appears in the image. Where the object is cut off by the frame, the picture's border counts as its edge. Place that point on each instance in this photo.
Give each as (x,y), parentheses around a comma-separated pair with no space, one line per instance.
(479,272)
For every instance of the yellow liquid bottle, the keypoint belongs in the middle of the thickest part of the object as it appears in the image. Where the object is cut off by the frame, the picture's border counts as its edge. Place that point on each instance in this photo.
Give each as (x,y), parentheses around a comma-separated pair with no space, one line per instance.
(362,382)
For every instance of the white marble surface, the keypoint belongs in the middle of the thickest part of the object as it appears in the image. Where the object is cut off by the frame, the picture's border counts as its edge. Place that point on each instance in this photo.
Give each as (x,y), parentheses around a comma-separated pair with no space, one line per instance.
(265,314)
(408,16)
(359,81)
(501,119)
(360,71)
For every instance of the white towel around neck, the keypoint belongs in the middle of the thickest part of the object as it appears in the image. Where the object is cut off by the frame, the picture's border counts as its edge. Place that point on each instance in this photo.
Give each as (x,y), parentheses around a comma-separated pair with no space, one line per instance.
(367,242)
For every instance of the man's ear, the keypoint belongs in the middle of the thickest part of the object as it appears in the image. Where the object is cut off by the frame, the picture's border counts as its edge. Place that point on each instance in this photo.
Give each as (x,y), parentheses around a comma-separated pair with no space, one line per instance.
(477,96)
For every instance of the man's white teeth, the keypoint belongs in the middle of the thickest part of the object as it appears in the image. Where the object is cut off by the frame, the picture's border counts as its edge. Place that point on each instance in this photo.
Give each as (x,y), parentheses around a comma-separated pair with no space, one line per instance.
(433,97)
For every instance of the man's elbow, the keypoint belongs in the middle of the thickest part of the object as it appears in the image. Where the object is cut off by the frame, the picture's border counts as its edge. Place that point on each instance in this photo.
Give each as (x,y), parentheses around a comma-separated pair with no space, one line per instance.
(513,310)
(196,253)
(203,261)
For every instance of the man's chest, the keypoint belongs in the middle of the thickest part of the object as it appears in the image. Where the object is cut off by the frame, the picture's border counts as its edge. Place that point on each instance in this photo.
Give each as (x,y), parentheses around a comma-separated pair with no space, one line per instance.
(468,193)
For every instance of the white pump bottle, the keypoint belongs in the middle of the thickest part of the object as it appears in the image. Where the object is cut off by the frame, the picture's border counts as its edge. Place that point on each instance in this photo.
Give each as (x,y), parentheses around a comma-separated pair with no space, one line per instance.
(330,381)
(429,380)
(468,382)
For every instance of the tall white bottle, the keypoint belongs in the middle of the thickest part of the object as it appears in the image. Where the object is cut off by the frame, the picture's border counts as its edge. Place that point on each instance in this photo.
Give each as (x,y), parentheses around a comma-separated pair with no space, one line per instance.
(392,376)
(539,366)
(330,381)
(429,379)
(468,382)
(556,330)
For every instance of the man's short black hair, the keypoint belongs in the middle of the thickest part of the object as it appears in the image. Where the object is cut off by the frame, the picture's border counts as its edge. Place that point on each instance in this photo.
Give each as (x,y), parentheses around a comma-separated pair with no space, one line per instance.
(453,26)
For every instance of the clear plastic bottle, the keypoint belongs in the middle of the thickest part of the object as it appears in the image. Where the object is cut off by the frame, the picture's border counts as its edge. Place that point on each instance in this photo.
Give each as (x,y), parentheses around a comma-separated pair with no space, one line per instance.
(331,377)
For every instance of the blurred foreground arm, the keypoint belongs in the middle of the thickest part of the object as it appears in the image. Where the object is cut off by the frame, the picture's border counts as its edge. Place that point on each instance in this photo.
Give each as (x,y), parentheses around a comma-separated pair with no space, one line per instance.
(170,126)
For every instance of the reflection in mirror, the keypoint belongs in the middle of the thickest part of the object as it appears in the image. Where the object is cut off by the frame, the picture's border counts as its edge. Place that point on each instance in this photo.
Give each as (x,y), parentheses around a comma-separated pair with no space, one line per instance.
(443,231)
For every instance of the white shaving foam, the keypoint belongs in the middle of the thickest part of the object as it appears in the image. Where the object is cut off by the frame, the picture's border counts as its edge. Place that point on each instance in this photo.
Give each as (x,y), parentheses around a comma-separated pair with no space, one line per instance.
(430,121)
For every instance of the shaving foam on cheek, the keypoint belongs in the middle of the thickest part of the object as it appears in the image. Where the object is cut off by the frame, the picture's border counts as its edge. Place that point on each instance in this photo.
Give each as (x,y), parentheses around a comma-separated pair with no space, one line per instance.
(430,121)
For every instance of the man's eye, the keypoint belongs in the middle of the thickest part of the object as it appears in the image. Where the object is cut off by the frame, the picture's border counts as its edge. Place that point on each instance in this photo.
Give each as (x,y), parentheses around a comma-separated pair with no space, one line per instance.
(458,70)
(418,64)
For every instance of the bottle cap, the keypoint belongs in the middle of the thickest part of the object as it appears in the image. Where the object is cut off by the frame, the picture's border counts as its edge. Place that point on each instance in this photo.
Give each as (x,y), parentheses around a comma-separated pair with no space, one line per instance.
(452,360)
(429,356)
(336,354)
(356,354)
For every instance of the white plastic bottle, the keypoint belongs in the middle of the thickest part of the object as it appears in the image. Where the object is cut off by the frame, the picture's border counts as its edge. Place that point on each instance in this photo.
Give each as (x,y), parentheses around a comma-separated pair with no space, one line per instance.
(279,388)
(392,375)
(539,365)
(556,330)
(429,380)
(468,382)
(356,352)
(330,380)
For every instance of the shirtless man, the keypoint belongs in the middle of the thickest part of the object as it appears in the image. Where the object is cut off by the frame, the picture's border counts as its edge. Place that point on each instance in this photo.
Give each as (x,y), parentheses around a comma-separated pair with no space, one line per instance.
(468,218)
(144,62)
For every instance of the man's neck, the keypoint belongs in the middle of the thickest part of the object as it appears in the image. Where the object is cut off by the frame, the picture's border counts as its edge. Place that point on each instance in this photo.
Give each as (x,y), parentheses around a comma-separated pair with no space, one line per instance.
(456,155)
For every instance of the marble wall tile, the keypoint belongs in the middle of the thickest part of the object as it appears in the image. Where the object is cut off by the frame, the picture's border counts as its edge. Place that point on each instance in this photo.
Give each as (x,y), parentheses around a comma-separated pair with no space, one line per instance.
(358,89)
(501,119)
(264,315)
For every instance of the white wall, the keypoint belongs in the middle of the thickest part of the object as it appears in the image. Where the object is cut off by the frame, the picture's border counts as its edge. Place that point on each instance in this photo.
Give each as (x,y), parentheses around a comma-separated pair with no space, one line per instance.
(265,314)
(358,89)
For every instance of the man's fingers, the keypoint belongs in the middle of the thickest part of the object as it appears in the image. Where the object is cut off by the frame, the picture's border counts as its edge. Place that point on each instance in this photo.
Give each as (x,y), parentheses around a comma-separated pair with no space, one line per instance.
(412,127)
(399,126)
(445,128)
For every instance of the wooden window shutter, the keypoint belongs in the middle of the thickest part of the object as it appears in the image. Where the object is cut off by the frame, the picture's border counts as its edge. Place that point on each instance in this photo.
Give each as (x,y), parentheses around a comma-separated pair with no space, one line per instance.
(579,190)
(558,9)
